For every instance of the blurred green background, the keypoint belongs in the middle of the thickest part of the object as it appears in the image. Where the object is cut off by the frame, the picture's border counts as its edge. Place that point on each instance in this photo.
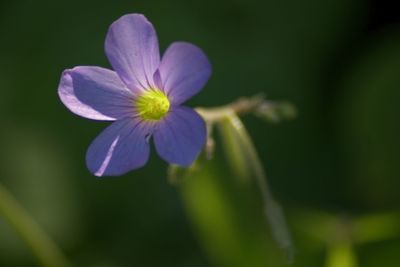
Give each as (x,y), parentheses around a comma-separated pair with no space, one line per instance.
(337,61)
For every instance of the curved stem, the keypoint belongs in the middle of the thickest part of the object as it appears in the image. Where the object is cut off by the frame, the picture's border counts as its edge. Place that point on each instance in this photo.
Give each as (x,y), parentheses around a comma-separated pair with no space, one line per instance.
(230,113)
(276,110)
(273,210)
(240,107)
(272,111)
(44,249)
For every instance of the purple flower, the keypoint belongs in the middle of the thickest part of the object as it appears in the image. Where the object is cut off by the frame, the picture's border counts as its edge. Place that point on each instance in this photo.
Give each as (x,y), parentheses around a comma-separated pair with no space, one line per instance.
(143,96)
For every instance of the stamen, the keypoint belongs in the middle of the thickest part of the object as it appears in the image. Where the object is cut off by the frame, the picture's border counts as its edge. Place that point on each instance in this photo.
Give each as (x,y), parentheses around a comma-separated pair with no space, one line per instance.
(152,104)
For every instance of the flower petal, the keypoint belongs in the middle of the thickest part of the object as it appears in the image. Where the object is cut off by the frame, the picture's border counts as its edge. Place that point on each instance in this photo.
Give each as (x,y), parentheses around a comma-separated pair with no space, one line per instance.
(184,70)
(95,93)
(132,49)
(180,137)
(121,147)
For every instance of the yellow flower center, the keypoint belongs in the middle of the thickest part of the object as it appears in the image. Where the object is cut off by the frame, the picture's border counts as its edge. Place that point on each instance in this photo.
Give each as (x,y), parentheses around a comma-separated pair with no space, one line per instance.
(152,104)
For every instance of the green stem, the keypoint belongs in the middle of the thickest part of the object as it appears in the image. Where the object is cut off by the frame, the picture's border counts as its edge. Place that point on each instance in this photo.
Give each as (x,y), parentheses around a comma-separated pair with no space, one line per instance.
(273,210)
(45,250)
(229,113)
(241,106)
(271,110)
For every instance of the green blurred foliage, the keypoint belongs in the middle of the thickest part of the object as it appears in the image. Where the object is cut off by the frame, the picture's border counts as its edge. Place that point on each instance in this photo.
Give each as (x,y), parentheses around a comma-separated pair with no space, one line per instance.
(340,155)
(368,120)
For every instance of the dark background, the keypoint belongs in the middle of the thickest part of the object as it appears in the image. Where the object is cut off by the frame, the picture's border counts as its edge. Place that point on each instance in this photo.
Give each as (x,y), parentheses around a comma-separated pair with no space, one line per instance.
(337,61)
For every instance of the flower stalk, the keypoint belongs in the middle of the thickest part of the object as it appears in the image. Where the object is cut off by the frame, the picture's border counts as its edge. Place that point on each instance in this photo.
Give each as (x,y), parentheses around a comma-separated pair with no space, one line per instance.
(243,155)
(256,104)
(272,209)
